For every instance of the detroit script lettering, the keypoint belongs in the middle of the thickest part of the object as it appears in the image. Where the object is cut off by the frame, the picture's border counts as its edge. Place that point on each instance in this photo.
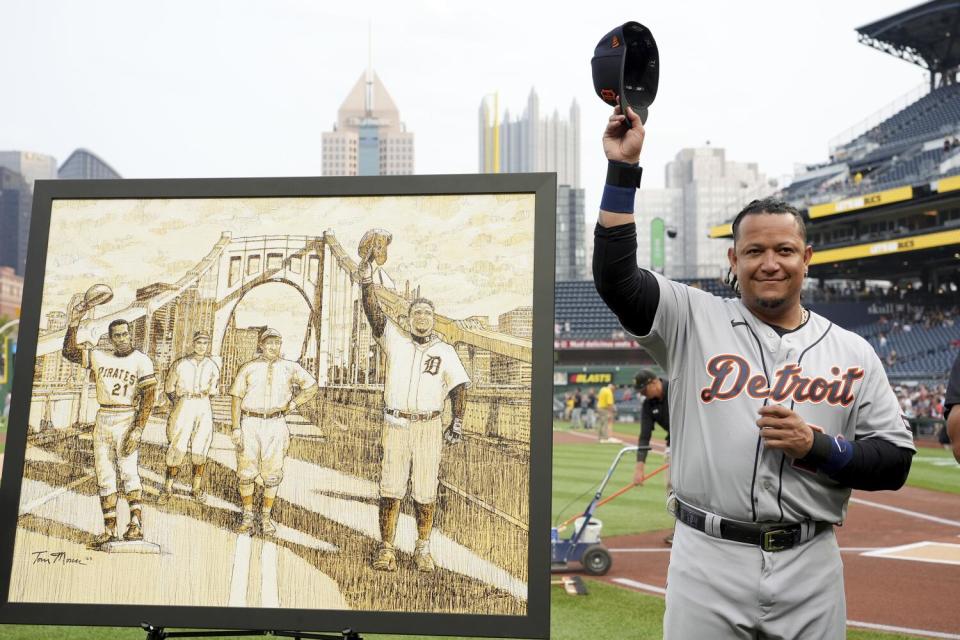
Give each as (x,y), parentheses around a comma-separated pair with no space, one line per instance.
(732,376)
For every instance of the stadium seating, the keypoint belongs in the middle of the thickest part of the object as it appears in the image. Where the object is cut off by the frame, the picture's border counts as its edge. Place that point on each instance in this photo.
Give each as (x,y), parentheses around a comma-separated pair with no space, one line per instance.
(921,352)
(905,149)
(580,314)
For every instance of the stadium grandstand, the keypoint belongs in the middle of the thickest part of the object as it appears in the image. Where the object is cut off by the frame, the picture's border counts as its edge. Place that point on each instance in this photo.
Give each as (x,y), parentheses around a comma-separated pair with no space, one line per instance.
(883,215)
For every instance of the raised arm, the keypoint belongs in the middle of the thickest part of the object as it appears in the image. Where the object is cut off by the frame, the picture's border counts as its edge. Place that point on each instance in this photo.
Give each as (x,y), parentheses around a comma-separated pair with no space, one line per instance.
(71,350)
(631,293)
(371,305)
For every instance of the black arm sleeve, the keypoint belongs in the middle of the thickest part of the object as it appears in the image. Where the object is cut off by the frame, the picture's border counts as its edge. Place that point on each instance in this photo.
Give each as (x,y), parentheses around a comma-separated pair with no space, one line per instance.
(631,293)
(877,465)
(646,430)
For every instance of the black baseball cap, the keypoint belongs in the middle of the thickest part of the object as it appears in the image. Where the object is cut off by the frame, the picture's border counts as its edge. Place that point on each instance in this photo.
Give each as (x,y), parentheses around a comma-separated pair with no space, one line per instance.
(626,63)
(643,378)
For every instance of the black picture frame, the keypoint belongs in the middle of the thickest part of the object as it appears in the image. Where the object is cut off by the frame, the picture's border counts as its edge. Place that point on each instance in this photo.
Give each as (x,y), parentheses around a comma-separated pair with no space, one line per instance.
(533,625)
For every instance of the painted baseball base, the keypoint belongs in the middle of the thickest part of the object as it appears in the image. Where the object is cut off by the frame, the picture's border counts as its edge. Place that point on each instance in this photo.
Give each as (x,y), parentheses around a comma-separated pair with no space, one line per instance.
(134,546)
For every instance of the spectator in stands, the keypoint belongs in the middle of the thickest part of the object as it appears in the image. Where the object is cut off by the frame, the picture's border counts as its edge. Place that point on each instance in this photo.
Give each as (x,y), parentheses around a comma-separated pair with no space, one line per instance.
(607,409)
(576,416)
(950,401)
(590,418)
(892,358)
(946,145)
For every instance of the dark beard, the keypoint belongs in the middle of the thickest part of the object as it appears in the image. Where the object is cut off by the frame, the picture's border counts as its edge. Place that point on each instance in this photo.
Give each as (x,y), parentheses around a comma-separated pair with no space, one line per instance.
(771,304)
(123,352)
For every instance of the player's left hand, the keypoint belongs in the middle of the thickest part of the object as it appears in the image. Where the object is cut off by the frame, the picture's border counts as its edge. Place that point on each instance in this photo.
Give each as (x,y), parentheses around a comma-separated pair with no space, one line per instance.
(132,441)
(454,433)
(783,429)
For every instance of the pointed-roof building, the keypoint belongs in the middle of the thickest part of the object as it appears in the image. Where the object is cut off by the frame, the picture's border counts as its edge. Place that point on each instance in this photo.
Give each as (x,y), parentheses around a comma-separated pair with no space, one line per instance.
(86,165)
(368,138)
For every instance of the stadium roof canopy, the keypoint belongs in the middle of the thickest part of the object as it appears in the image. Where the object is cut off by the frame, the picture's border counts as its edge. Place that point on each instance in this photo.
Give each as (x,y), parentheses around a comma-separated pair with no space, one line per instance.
(927,35)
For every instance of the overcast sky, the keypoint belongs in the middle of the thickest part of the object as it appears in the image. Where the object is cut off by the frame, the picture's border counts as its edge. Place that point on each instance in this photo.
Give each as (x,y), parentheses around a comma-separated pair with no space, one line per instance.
(239,88)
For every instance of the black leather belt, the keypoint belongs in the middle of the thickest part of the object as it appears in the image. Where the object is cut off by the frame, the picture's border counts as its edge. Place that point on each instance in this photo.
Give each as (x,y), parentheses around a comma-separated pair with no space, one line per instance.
(418,416)
(769,536)
(266,416)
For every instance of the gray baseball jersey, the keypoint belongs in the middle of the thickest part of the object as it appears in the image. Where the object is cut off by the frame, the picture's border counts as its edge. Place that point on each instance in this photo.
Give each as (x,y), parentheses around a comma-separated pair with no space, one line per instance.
(724,364)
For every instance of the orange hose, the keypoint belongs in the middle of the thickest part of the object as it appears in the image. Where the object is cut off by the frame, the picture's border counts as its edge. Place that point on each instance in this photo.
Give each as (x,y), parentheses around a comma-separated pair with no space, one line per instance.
(662,467)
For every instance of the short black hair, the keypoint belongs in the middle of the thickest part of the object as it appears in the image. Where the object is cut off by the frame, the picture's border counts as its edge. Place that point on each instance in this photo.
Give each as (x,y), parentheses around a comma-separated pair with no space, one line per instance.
(425,301)
(766,205)
(770,205)
(116,323)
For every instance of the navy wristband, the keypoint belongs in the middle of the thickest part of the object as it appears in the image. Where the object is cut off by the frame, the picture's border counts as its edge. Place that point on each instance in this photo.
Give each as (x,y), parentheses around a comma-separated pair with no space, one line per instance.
(841,453)
(618,199)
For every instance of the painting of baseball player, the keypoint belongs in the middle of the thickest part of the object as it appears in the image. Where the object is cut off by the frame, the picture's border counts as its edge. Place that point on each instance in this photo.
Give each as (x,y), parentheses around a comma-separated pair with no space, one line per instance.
(189,385)
(125,392)
(262,394)
(421,372)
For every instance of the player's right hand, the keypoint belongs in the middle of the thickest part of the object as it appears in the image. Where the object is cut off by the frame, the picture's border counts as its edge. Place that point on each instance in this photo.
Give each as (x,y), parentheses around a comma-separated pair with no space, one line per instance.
(365,270)
(623,137)
(236,436)
(638,474)
(75,315)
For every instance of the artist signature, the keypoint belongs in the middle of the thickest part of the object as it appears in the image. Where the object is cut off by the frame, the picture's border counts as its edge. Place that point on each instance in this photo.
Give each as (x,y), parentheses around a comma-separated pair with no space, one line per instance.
(51,558)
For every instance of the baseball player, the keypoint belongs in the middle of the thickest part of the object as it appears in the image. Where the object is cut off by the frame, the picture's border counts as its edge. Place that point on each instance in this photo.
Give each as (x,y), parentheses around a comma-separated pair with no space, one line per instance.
(125,392)
(655,409)
(777,415)
(189,385)
(263,393)
(421,371)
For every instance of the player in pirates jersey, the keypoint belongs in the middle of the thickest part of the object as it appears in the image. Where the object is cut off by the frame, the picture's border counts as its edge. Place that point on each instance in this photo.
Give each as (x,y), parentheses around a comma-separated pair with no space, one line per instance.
(421,371)
(189,384)
(776,415)
(125,392)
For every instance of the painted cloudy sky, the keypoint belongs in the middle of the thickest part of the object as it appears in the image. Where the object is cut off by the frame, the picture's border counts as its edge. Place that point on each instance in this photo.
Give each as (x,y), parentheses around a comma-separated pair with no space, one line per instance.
(473,255)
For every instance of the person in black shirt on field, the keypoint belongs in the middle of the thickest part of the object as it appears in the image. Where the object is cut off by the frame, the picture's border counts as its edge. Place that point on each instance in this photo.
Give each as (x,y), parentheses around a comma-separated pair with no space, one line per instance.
(655,411)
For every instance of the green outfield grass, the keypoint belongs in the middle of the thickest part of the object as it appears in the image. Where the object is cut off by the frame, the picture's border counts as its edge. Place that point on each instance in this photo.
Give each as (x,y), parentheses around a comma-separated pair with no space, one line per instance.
(932,468)
(578,470)
(935,469)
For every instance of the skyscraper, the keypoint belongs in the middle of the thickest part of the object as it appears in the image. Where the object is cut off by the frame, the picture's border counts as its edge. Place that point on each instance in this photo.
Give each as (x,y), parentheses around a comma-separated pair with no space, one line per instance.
(16,198)
(85,165)
(368,138)
(529,143)
(29,164)
(534,144)
(703,189)
(571,256)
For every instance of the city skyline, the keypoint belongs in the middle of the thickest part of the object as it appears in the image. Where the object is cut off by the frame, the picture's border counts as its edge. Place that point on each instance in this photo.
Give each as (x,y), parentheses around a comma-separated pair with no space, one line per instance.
(197,118)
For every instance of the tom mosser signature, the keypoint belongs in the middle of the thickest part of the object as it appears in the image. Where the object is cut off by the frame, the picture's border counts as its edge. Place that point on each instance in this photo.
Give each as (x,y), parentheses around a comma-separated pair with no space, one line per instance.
(50,558)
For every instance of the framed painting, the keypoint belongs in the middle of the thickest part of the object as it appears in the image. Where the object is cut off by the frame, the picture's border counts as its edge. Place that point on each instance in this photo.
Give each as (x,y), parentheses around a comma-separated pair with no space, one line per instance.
(284,404)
